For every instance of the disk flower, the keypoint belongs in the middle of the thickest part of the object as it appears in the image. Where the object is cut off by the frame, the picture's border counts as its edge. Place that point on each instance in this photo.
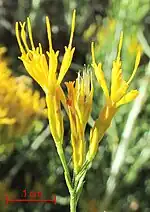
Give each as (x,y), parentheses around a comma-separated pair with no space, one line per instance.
(45,72)
(116,97)
(79,102)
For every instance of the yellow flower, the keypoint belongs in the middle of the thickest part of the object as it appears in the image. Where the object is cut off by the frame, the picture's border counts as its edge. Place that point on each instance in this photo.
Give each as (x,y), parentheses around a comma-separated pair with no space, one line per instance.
(89,32)
(116,97)
(133,44)
(19,105)
(35,62)
(45,72)
(79,104)
(4,119)
(105,30)
(119,86)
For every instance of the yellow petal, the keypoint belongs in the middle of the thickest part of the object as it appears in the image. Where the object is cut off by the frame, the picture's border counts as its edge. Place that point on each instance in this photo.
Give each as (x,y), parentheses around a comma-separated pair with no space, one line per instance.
(69,51)
(120,46)
(23,36)
(49,33)
(128,97)
(116,76)
(99,73)
(101,79)
(137,61)
(72,29)
(30,33)
(37,67)
(120,92)
(65,63)
(53,62)
(18,38)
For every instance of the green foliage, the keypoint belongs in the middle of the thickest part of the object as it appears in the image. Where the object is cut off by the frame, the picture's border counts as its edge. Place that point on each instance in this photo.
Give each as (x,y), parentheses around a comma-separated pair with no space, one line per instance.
(119,179)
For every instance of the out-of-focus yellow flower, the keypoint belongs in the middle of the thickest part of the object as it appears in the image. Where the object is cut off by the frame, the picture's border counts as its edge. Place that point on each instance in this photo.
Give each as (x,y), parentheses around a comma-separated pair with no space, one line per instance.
(79,104)
(89,32)
(133,44)
(101,33)
(116,97)
(45,72)
(105,30)
(4,119)
(19,105)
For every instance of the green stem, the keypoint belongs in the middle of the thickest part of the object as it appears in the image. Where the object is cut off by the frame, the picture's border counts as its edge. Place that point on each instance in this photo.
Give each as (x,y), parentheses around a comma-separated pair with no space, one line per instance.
(73,202)
(75,190)
(65,167)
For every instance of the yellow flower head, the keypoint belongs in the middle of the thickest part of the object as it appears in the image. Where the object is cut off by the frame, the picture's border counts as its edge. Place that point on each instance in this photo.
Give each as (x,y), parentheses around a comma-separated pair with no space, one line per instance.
(118,94)
(45,72)
(80,96)
(79,103)
(19,105)
(35,62)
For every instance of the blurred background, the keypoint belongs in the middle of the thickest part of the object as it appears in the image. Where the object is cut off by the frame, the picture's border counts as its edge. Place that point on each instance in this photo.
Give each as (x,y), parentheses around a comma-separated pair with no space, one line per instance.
(119,180)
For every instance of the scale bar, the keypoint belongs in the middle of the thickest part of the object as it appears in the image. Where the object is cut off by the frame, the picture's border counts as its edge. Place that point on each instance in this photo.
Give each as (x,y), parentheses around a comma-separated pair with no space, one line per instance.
(7,200)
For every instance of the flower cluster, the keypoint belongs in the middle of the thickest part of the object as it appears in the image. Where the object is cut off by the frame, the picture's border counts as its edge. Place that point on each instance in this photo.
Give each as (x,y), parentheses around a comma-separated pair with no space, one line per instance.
(45,72)
(78,101)
(117,96)
(79,104)
(19,105)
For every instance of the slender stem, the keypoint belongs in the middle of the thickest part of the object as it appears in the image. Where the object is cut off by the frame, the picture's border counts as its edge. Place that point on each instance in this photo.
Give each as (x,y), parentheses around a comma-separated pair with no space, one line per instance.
(73,202)
(65,167)
(75,190)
